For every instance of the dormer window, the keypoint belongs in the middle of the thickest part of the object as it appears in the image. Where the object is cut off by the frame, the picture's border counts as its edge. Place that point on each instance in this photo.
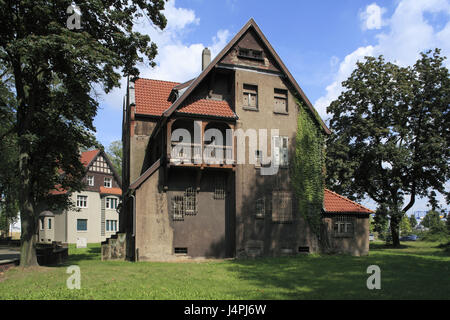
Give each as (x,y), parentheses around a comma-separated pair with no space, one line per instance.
(250,54)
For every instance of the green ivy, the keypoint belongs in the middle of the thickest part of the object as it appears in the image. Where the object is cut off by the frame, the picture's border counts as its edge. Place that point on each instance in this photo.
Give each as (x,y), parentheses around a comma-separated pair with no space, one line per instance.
(308,168)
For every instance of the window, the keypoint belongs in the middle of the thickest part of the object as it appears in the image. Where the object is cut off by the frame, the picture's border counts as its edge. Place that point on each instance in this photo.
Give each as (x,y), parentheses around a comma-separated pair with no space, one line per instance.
(280,149)
(111,225)
(90,181)
(111,203)
(42,223)
(219,188)
(177,208)
(260,208)
(81,224)
(282,207)
(49,223)
(184,205)
(108,183)
(82,201)
(280,101)
(250,96)
(343,225)
(250,54)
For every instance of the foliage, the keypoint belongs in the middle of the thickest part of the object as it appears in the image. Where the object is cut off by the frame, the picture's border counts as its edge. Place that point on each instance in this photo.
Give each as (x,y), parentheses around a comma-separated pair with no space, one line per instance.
(308,168)
(9,181)
(413,221)
(405,226)
(381,219)
(391,134)
(115,155)
(55,71)
(433,222)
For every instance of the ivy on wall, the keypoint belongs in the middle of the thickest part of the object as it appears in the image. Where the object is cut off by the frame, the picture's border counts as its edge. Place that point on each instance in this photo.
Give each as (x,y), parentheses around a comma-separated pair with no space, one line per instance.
(308,167)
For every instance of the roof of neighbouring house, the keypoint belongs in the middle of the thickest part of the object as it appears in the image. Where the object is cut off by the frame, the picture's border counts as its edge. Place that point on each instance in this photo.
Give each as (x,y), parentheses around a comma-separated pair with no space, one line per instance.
(152,98)
(87,156)
(86,159)
(115,191)
(335,203)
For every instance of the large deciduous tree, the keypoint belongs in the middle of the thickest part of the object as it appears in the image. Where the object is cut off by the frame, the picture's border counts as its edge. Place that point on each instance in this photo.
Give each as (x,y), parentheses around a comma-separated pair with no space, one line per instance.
(56,54)
(391,134)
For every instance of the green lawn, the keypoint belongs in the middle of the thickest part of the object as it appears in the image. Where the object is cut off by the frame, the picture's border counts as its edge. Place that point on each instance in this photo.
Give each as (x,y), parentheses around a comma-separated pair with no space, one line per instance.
(419,270)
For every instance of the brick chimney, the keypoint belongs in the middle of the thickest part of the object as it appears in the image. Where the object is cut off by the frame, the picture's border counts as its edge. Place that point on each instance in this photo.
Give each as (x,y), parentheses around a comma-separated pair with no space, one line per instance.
(206,58)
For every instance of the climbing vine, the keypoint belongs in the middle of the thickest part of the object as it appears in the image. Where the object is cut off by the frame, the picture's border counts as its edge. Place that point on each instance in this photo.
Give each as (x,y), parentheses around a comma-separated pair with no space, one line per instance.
(308,167)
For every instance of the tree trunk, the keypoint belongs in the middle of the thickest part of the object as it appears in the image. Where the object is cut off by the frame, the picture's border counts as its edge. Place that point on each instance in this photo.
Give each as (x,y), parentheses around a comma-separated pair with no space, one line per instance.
(395,225)
(27,215)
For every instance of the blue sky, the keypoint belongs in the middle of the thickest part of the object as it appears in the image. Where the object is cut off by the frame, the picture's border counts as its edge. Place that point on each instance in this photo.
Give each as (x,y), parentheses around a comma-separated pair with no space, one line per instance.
(319,41)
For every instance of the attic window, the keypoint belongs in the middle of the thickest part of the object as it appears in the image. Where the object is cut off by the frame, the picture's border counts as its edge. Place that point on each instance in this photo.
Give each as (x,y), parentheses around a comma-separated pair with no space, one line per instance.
(250,54)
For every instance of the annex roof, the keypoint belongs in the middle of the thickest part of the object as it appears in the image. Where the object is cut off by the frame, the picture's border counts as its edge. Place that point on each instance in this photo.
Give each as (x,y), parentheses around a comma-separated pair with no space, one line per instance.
(335,203)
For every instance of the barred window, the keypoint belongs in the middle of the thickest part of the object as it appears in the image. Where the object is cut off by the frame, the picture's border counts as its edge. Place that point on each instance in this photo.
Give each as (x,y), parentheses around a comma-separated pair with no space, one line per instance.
(190,201)
(343,225)
(260,208)
(219,189)
(184,205)
(177,208)
(282,207)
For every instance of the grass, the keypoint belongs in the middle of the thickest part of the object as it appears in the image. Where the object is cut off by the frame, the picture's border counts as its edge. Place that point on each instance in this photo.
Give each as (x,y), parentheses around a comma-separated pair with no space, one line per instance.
(418,270)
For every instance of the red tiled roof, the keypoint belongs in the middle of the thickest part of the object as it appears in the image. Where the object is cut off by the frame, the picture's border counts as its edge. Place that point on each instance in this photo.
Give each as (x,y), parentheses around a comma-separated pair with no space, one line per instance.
(116,191)
(87,156)
(208,107)
(152,99)
(334,202)
(58,190)
(151,96)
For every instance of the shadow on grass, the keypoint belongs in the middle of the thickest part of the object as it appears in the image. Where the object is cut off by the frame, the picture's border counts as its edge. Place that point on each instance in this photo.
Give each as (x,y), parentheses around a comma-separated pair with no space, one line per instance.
(345,277)
(87,254)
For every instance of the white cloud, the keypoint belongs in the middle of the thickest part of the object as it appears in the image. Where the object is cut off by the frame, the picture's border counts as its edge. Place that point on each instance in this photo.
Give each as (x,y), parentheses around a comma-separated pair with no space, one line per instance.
(372,17)
(407,33)
(176,60)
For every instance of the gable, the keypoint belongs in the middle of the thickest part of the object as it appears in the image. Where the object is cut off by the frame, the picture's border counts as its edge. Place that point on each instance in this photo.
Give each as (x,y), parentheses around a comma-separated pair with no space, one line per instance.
(250,51)
(254,31)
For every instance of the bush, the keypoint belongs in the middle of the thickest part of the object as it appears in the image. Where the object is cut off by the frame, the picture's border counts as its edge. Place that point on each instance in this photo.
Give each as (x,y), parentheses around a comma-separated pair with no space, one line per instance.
(441,236)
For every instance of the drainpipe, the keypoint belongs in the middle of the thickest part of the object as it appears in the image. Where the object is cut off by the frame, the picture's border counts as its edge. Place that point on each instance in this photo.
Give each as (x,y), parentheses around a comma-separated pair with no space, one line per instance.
(134,215)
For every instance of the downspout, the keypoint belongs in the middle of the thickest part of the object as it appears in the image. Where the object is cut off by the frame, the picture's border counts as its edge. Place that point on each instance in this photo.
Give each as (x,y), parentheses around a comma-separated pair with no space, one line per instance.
(133,235)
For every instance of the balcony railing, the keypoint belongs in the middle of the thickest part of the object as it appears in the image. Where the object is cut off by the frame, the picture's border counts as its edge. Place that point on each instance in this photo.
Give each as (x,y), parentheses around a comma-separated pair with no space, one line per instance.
(194,153)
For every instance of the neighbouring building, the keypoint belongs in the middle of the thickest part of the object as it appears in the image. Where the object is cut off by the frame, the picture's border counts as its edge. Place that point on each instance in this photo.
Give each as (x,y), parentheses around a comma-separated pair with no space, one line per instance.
(96,218)
(178,204)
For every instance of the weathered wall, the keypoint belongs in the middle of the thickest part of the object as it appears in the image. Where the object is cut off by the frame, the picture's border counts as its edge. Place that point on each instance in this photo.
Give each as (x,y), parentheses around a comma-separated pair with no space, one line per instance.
(154,235)
(357,245)
(270,237)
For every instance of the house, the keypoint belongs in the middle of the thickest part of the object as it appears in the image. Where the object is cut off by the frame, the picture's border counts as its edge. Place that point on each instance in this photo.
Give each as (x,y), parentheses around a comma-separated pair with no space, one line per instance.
(195,181)
(346,223)
(96,217)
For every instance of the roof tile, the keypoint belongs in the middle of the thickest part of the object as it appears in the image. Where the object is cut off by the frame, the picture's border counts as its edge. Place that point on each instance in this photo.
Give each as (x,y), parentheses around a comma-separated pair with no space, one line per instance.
(334,202)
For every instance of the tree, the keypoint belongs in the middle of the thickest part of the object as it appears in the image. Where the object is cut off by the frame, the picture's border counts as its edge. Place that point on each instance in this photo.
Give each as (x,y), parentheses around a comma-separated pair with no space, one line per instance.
(9,156)
(55,60)
(391,134)
(115,155)
(405,226)
(413,221)
(381,219)
(433,221)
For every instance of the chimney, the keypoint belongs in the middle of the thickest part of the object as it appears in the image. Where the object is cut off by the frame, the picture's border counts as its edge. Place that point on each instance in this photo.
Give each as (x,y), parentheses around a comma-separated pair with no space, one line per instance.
(206,58)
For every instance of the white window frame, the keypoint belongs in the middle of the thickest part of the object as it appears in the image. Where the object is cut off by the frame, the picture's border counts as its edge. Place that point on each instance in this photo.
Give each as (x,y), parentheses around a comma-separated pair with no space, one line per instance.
(82,201)
(109,201)
(90,181)
(109,185)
